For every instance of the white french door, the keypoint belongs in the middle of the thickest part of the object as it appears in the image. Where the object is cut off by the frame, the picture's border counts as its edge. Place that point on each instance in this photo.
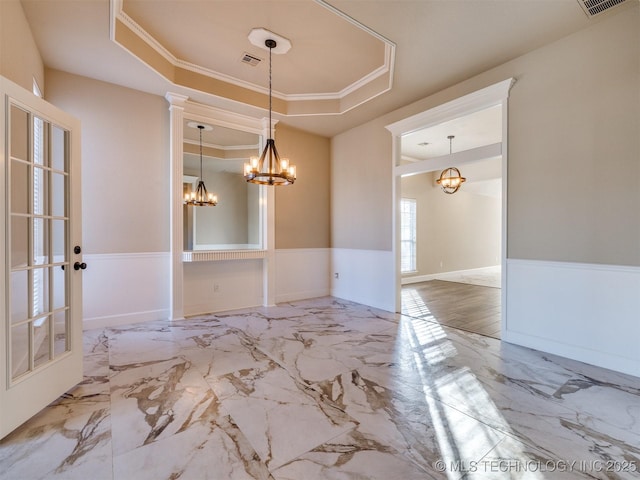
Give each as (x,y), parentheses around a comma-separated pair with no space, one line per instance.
(41,284)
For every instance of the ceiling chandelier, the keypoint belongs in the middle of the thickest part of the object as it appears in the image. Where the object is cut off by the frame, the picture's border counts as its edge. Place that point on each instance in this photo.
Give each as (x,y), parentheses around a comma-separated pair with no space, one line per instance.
(450,178)
(200,198)
(270,169)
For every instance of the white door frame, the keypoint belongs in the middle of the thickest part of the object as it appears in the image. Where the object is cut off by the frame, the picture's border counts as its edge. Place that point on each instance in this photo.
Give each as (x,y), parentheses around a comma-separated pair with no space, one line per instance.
(496,94)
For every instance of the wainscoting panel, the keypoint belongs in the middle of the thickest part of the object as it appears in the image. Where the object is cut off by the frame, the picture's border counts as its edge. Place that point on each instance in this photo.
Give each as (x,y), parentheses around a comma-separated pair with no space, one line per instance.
(302,273)
(586,312)
(122,288)
(222,285)
(364,276)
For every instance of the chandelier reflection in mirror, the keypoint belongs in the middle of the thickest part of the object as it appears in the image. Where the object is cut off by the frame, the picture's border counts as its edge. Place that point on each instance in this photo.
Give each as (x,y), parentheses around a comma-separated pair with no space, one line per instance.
(450,178)
(270,169)
(201,197)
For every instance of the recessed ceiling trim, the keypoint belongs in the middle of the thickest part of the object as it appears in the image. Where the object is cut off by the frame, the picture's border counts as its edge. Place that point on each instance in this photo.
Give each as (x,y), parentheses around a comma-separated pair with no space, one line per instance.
(325,103)
(379,72)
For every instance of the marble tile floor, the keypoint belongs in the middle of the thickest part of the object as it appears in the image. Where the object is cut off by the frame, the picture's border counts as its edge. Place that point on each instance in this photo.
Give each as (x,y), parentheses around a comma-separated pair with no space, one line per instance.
(327,389)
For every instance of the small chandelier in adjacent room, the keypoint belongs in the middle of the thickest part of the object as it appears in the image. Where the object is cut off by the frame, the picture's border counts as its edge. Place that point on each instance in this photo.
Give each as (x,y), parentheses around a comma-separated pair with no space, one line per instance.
(270,169)
(200,198)
(450,178)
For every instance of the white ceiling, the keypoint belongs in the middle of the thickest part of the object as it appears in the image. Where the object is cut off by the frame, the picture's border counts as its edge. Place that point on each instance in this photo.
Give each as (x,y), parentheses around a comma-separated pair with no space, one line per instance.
(475,130)
(437,43)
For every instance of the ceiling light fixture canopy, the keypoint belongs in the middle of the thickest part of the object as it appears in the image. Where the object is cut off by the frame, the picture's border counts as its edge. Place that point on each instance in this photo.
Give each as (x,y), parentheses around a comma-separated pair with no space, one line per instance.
(270,169)
(450,178)
(201,197)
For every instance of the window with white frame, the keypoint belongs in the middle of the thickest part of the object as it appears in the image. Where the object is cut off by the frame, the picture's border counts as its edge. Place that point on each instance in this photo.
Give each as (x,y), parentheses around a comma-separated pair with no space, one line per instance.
(408,235)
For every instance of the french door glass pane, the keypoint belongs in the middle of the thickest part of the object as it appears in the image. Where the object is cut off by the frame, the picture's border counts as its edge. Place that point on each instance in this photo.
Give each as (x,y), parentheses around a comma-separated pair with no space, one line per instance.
(40,291)
(39,152)
(19,187)
(60,326)
(19,133)
(41,341)
(58,195)
(19,241)
(40,191)
(58,230)
(40,241)
(19,296)
(19,349)
(58,288)
(58,149)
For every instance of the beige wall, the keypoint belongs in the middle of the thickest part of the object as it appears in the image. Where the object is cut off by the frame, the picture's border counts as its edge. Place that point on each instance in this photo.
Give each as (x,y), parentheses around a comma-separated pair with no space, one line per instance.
(361,188)
(125,171)
(454,232)
(302,209)
(125,163)
(574,145)
(20,60)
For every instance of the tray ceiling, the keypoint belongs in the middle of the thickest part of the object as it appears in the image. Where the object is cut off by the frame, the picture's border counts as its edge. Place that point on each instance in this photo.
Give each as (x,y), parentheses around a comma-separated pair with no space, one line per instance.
(334,63)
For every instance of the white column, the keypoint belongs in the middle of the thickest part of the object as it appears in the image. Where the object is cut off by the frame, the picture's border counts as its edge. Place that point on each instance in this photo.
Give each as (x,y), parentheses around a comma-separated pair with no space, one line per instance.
(176,271)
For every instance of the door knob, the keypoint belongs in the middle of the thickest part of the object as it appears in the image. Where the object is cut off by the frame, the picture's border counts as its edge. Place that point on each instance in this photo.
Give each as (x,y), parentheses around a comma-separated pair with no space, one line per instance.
(78,266)
(77,249)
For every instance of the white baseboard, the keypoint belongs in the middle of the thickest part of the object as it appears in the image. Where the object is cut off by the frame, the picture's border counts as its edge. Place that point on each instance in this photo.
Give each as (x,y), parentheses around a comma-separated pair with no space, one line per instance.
(364,276)
(206,308)
(122,288)
(302,273)
(124,319)
(586,312)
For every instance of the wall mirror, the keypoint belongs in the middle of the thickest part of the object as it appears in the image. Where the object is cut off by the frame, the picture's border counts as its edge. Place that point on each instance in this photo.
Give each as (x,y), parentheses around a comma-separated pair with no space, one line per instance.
(235,223)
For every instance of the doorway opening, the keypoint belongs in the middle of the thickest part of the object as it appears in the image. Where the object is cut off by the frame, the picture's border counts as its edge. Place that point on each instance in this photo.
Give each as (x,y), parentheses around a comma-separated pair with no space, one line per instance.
(449,249)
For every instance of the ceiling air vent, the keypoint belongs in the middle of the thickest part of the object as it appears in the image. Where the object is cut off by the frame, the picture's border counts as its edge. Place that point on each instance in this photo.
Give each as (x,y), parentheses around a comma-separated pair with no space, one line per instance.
(250,59)
(595,7)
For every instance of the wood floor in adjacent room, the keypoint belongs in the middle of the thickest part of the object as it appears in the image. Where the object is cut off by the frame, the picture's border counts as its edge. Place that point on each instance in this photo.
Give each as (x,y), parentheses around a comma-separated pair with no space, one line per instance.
(472,308)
